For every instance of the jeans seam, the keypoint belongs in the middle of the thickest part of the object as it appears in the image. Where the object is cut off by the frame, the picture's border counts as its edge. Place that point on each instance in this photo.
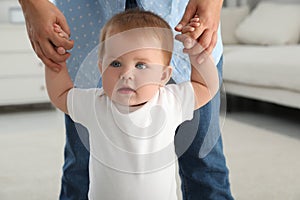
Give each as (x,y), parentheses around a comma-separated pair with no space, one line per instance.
(184,185)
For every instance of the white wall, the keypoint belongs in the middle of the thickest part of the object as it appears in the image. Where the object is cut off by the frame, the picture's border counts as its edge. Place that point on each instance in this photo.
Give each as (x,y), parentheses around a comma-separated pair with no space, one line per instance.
(252,3)
(7,8)
(234,3)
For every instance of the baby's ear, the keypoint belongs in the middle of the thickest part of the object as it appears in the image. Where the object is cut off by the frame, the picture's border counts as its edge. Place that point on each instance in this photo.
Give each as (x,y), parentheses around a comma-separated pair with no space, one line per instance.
(166,75)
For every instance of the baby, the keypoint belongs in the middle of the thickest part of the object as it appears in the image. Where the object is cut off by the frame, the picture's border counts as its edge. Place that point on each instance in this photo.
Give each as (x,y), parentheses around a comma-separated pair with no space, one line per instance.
(132,119)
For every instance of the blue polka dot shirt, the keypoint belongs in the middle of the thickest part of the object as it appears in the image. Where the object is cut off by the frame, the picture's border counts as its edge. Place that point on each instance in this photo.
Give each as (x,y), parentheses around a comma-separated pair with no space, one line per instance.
(87,17)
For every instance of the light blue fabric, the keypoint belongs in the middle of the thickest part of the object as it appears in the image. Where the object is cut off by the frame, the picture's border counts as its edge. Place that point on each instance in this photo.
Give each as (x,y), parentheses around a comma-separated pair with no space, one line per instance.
(91,16)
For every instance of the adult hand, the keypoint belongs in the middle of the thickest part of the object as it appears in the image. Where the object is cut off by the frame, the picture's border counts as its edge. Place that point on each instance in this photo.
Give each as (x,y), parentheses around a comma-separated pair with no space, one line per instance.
(40,16)
(206,34)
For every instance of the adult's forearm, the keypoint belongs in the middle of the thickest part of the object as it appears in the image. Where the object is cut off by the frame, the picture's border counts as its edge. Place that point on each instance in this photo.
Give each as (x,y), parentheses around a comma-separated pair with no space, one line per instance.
(40,17)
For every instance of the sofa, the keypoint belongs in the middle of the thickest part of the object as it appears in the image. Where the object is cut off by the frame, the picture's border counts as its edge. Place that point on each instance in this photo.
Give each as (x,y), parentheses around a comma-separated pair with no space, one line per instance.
(262,51)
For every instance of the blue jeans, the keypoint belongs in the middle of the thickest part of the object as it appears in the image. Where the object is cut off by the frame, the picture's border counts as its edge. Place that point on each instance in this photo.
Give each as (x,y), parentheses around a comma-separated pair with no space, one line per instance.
(203,176)
(202,167)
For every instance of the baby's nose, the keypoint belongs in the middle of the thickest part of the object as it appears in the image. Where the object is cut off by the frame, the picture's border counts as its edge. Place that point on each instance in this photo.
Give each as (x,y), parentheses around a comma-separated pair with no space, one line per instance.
(127,75)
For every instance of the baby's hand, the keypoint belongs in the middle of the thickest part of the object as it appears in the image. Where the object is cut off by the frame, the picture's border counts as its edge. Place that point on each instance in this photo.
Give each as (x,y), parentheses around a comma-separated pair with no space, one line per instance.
(192,25)
(62,34)
(191,46)
(184,37)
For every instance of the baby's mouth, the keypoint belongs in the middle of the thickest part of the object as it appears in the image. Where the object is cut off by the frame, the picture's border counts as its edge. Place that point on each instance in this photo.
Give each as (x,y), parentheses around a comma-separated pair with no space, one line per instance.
(126,90)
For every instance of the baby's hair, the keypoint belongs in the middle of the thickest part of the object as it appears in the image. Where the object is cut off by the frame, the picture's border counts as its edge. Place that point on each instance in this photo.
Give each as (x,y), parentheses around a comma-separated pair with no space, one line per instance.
(135,19)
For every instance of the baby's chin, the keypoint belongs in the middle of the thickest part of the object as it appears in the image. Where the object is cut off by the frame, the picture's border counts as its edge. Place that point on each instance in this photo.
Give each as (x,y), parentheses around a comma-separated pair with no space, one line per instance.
(130,104)
(128,107)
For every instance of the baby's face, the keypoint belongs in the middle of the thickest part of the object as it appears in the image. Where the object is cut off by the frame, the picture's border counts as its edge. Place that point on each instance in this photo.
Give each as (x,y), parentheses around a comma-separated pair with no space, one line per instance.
(133,66)
(134,78)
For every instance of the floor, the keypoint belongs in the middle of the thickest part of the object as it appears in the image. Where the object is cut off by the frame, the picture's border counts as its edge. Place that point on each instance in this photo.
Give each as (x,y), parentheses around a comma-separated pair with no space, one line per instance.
(31,153)
(261,143)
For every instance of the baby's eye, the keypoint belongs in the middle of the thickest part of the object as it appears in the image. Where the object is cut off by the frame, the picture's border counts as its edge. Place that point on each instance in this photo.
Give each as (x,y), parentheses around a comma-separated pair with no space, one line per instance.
(115,63)
(140,66)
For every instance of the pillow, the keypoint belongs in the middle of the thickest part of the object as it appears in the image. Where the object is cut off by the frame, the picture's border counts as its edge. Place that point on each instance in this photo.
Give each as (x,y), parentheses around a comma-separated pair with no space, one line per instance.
(230,19)
(271,24)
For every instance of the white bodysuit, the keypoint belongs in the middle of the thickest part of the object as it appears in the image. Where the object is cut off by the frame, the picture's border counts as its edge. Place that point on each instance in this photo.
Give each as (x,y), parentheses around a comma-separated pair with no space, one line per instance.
(132,154)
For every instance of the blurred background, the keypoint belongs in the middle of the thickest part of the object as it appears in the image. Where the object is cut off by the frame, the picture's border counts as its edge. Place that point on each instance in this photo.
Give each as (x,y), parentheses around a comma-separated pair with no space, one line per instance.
(260,110)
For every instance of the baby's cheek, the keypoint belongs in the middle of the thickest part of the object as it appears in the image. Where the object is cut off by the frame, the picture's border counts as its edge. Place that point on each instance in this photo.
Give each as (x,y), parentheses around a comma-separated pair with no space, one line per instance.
(150,76)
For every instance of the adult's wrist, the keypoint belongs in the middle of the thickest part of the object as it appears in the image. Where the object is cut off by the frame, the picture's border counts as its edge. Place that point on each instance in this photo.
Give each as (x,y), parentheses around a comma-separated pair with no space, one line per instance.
(24,3)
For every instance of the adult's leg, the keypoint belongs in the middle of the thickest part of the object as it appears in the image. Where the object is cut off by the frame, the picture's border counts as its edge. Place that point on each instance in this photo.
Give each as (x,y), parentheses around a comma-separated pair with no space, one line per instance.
(202,166)
(75,179)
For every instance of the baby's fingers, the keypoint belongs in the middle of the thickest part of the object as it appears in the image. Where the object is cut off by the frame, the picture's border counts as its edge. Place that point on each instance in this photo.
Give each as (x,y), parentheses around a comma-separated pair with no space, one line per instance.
(186,40)
(60,32)
(187,29)
(195,19)
(191,26)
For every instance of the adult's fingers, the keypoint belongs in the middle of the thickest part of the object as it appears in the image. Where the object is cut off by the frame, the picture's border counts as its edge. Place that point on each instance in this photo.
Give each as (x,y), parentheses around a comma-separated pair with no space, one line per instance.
(61,40)
(194,49)
(49,50)
(202,44)
(213,43)
(189,13)
(60,50)
(205,39)
(48,62)
(204,54)
(201,57)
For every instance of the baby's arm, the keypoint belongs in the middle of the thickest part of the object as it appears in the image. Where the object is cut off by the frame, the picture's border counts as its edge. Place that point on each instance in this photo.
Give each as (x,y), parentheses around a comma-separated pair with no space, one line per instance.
(204,76)
(58,84)
(204,79)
